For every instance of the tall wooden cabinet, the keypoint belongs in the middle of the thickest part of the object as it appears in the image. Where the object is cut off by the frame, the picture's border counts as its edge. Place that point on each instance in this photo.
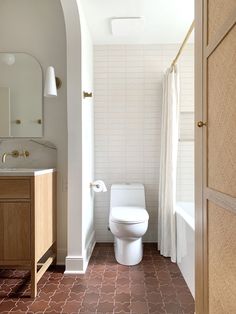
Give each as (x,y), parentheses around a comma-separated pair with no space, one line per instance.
(215,101)
(28,222)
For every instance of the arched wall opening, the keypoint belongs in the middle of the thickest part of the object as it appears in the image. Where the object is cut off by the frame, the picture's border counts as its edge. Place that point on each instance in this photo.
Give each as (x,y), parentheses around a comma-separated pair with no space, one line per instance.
(80,229)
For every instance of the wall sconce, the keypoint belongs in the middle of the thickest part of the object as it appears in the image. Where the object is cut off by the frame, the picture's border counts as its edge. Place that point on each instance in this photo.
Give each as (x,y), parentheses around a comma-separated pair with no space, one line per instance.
(52,83)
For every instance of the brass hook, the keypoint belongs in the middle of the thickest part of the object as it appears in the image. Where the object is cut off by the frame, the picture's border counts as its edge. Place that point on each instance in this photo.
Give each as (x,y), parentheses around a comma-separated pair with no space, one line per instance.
(86,94)
(200,124)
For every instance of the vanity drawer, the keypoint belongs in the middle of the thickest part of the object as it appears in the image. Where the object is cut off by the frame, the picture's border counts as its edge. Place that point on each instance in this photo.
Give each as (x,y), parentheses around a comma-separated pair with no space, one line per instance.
(14,188)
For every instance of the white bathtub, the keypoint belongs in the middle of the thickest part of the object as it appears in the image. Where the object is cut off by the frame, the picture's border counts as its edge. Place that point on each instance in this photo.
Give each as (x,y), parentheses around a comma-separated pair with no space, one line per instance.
(186,242)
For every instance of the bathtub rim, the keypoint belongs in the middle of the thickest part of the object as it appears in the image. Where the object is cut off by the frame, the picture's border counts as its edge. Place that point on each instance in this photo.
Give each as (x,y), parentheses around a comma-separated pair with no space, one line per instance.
(190,219)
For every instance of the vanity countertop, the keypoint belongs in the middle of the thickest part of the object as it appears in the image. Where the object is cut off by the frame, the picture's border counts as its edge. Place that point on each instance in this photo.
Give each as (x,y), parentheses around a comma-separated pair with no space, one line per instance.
(22,172)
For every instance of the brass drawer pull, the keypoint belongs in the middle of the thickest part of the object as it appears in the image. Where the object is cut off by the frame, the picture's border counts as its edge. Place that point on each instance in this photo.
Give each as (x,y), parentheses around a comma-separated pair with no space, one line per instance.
(200,124)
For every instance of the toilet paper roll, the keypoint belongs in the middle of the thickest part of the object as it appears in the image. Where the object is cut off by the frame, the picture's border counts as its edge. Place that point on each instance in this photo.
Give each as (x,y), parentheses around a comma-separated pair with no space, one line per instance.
(99,186)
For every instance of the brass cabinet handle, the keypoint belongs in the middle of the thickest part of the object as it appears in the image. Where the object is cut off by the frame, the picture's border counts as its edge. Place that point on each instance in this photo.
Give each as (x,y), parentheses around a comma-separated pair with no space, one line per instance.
(18,121)
(200,124)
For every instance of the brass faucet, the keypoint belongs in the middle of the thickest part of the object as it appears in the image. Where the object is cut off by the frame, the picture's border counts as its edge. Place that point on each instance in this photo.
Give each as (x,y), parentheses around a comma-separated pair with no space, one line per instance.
(15,154)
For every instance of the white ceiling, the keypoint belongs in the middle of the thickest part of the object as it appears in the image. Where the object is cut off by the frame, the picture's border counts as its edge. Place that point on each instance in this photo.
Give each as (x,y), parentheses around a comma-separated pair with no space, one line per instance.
(166,21)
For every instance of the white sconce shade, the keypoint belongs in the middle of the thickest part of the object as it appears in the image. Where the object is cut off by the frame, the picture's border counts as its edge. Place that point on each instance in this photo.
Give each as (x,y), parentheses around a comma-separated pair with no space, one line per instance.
(50,88)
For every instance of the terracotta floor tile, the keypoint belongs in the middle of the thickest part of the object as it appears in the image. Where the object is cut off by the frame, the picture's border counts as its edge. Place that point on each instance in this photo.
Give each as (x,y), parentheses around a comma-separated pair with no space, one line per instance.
(104,297)
(173,308)
(77,288)
(67,280)
(105,307)
(54,306)
(49,288)
(89,307)
(71,306)
(7,305)
(22,305)
(179,282)
(124,306)
(122,281)
(93,289)
(139,307)
(125,289)
(185,298)
(90,298)
(108,288)
(110,274)
(156,308)
(43,296)
(154,297)
(154,286)
(167,289)
(38,306)
(122,297)
(138,298)
(188,308)
(138,289)
(170,298)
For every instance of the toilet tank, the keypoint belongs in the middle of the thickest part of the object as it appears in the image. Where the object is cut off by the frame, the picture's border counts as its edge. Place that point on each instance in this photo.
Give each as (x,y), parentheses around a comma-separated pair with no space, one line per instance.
(128,194)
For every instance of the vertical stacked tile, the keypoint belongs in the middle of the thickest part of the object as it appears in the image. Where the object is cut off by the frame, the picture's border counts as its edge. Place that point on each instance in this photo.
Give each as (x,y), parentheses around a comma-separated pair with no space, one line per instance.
(128,100)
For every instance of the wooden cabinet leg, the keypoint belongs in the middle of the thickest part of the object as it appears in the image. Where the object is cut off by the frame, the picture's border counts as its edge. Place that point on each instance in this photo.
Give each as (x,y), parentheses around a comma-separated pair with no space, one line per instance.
(33,280)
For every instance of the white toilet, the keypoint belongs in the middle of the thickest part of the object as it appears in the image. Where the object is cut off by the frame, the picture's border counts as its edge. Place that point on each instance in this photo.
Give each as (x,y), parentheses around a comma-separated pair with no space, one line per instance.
(128,221)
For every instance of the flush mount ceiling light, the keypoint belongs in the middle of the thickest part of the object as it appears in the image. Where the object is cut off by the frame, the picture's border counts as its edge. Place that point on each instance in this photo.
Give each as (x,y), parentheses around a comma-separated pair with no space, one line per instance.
(127,26)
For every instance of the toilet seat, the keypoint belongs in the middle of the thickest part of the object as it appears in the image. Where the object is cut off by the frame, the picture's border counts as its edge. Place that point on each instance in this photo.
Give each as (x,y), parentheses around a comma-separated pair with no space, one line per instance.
(128,215)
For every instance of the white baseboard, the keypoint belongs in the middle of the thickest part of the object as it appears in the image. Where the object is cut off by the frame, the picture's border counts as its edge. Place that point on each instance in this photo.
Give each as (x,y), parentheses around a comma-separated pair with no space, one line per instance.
(78,264)
(74,265)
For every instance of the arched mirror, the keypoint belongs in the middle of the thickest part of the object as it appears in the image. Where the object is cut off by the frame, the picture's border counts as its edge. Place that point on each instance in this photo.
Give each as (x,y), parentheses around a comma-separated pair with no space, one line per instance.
(21,109)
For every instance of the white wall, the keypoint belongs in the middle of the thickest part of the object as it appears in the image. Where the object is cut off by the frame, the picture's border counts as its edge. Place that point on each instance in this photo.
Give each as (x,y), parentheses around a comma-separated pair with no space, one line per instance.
(37,28)
(80,138)
(128,98)
(88,234)
(185,171)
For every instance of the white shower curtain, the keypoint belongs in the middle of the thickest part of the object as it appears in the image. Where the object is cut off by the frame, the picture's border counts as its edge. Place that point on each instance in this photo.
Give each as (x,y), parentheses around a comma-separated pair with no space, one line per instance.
(168,165)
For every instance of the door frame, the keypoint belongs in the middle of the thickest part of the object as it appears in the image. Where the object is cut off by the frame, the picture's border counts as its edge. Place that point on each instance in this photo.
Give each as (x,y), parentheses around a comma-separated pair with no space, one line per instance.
(199,221)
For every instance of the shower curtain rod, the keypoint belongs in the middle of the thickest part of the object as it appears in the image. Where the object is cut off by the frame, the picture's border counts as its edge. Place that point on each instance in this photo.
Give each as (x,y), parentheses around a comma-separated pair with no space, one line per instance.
(183,45)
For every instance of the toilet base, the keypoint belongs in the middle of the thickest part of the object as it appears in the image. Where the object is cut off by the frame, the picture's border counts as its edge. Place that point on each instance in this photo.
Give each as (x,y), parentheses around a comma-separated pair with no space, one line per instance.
(128,251)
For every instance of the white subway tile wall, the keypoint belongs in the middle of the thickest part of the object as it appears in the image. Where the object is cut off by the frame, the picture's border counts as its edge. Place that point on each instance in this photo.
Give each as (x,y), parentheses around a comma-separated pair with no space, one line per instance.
(185,171)
(128,99)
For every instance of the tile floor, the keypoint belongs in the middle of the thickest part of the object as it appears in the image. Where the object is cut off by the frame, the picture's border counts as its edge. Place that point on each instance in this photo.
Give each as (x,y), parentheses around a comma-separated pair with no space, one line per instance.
(154,286)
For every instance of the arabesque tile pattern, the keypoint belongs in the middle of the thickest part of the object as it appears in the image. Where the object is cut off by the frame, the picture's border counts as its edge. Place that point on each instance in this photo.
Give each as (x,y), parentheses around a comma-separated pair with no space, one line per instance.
(154,286)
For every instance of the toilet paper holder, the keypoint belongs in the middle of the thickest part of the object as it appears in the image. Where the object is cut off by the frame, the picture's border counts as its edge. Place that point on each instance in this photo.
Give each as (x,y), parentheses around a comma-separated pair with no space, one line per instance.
(94,184)
(98,186)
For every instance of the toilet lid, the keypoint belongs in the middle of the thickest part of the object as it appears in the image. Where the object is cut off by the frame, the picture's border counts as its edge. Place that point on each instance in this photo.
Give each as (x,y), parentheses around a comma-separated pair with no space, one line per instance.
(128,214)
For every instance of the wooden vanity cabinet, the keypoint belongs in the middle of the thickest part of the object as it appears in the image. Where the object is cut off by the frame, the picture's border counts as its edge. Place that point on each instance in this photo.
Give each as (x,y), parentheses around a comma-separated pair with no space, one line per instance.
(28,224)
